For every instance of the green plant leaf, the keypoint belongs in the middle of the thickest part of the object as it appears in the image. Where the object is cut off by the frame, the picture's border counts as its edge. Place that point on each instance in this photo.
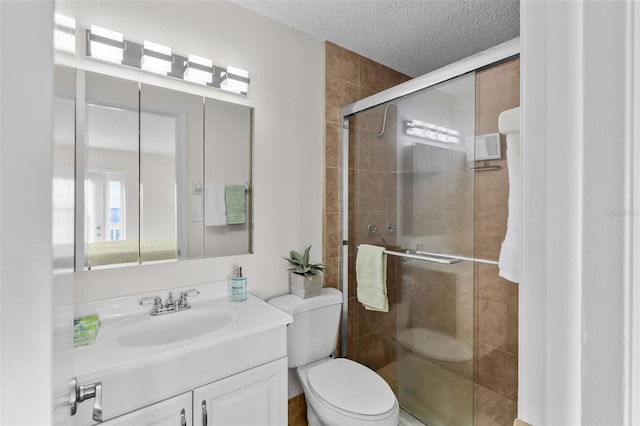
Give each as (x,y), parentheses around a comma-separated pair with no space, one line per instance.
(305,257)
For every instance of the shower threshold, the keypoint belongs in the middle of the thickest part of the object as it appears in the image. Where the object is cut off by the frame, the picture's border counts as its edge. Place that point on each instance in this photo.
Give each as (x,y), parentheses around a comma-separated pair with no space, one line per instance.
(407,419)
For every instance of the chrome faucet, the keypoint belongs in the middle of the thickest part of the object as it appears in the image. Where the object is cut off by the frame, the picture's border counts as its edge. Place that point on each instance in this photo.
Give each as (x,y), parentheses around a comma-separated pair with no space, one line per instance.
(170,305)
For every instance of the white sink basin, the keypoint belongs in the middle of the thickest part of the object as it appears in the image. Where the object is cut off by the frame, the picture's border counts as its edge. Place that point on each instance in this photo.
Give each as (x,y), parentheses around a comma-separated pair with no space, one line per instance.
(175,327)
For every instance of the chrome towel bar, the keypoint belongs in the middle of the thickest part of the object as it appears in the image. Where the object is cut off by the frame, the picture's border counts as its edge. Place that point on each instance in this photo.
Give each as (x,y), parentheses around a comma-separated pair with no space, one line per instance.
(443,259)
(460,258)
(432,259)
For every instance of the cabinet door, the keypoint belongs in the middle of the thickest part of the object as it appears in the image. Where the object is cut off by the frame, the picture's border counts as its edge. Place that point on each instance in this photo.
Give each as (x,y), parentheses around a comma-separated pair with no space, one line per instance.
(171,412)
(253,397)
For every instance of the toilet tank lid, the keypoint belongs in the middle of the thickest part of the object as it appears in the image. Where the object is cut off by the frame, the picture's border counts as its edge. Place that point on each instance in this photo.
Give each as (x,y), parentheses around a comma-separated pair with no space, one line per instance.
(292,304)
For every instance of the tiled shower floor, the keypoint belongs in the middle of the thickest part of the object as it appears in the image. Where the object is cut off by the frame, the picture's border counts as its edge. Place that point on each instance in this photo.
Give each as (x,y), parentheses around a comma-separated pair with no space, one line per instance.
(444,398)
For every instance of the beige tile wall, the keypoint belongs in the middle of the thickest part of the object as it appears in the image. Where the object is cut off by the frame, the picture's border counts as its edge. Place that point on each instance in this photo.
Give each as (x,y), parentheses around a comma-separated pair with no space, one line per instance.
(496,299)
(348,78)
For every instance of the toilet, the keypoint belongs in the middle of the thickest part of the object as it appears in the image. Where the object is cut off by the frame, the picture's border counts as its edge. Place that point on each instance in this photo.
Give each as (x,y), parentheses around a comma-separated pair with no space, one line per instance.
(338,391)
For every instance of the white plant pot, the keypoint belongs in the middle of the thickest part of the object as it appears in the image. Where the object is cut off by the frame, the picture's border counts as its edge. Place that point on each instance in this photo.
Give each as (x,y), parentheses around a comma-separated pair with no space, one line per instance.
(303,287)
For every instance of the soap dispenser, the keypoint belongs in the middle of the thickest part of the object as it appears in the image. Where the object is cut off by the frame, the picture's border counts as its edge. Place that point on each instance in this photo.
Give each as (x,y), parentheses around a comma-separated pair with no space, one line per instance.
(238,286)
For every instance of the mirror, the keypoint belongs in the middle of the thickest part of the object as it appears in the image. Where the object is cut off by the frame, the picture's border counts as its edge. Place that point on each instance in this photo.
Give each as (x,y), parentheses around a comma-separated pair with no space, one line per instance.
(167,174)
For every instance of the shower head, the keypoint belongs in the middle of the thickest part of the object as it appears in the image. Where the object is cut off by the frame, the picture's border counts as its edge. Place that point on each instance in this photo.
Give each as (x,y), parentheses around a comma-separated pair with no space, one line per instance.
(384,118)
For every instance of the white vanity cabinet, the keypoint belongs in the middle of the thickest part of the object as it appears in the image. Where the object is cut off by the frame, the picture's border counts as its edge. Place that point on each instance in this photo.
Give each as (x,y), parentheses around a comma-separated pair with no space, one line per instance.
(172,412)
(239,372)
(255,397)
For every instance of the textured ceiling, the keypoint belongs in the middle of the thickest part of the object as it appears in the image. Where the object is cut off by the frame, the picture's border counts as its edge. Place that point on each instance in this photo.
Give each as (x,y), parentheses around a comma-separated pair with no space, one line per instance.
(413,37)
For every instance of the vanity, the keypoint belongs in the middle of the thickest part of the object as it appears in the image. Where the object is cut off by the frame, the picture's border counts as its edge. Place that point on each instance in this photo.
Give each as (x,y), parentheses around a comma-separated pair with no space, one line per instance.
(215,363)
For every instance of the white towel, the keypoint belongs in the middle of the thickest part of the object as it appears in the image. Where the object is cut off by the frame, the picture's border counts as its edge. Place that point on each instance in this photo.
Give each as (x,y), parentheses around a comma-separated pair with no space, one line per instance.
(371,278)
(215,206)
(509,262)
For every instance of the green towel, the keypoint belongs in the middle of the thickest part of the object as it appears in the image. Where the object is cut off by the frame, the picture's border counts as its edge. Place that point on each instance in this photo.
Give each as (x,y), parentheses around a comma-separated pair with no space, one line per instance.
(235,196)
(371,278)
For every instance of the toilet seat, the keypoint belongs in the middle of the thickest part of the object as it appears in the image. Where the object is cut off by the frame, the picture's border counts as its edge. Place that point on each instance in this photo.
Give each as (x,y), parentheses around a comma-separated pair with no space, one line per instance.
(351,389)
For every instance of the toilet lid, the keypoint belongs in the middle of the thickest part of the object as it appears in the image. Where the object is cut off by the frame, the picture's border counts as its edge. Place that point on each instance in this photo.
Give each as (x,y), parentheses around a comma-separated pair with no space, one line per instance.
(352,387)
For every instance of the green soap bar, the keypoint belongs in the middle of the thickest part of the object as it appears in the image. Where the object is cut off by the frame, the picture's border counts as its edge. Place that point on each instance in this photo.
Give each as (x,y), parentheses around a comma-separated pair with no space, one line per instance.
(85,330)
(89,320)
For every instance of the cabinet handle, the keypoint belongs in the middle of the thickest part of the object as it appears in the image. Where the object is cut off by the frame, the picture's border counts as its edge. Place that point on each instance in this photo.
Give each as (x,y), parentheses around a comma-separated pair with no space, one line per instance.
(84,392)
(183,418)
(204,413)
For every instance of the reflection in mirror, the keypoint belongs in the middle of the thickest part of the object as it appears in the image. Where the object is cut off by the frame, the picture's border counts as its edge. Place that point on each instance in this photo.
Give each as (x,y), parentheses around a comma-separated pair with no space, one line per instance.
(170,169)
(111,170)
(227,178)
(167,174)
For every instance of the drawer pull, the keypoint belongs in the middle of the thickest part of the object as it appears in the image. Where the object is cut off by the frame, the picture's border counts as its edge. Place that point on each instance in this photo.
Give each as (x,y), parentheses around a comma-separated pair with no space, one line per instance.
(204,413)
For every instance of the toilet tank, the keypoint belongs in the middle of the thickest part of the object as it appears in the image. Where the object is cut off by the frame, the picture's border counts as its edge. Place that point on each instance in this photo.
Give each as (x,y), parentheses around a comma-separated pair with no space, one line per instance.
(313,333)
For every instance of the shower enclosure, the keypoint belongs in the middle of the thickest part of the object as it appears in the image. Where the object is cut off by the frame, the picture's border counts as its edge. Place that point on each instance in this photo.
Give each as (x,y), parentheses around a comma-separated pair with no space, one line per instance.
(411,157)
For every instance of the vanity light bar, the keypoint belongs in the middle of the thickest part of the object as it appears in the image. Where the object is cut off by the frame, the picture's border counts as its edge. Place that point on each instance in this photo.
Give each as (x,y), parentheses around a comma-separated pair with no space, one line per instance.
(236,81)
(156,58)
(199,70)
(431,131)
(110,46)
(105,44)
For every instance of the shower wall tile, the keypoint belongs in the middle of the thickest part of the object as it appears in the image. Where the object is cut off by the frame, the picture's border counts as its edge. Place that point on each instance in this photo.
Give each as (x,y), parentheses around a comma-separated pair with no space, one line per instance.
(436,308)
(352,278)
(332,147)
(332,272)
(332,198)
(349,77)
(493,188)
(372,75)
(511,376)
(495,92)
(394,78)
(371,188)
(496,299)
(341,63)
(372,321)
(337,94)
(375,350)
(371,151)
(370,119)
(490,230)
(490,368)
(512,329)
(331,237)
(491,323)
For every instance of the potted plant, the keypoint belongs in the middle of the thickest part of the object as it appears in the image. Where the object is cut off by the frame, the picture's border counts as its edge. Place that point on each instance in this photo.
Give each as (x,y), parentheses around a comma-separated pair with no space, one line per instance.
(305,279)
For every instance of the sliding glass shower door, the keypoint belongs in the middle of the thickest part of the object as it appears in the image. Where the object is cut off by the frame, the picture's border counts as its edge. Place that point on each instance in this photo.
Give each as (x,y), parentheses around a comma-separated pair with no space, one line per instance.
(411,190)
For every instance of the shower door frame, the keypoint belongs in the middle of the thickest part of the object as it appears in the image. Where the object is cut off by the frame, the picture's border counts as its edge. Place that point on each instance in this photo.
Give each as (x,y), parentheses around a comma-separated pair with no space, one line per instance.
(482,59)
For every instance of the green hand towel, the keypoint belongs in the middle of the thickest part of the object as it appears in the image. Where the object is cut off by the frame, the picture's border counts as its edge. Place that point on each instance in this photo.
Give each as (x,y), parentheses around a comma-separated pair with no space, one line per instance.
(235,197)
(371,278)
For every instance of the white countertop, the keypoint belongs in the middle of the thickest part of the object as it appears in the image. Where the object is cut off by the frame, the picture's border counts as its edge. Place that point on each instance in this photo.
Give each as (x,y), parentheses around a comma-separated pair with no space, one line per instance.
(106,356)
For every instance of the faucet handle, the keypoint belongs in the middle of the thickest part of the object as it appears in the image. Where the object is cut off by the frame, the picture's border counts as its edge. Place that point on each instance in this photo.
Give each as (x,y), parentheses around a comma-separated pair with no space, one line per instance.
(183,297)
(169,303)
(190,293)
(157,302)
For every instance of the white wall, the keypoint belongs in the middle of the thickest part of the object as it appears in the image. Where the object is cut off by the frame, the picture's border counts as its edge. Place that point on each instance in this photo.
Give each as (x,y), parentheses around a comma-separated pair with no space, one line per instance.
(26,290)
(578,214)
(285,67)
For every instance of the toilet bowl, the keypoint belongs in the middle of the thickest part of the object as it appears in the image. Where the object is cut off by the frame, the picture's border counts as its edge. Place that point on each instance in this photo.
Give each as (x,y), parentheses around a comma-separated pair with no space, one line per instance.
(343,392)
(338,391)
